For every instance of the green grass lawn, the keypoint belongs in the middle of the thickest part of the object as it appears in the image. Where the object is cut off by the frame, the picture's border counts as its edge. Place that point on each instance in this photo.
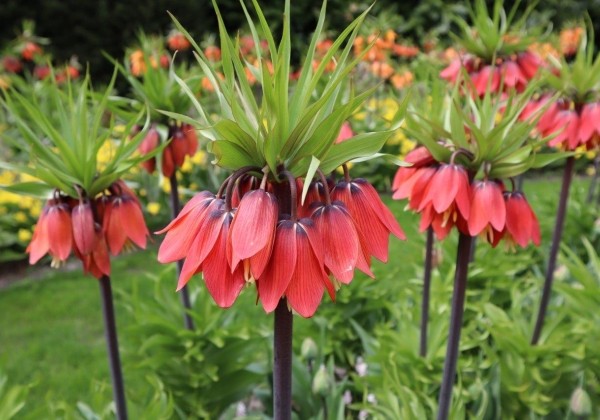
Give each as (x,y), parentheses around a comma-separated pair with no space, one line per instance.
(51,332)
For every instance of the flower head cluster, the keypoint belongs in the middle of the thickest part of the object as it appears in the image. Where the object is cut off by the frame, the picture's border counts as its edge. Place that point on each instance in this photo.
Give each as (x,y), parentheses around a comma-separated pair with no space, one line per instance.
(447,195)
(571,125)
(512,72)
(497,56)
(572,120)
(90,228)
(258,234)
(183,142)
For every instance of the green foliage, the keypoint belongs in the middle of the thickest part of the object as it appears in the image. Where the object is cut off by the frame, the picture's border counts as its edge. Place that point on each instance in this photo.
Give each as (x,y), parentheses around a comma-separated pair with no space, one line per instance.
(205,370)
(62,131)
(290,127)
(12,399)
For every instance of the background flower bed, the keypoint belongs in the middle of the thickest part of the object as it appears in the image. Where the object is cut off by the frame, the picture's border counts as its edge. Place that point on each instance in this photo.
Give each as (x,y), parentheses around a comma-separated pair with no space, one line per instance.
(376,321)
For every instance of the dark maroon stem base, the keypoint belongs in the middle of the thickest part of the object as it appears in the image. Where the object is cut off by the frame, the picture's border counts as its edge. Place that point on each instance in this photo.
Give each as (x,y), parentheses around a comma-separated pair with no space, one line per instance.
(556,238)
(282,362)
(183,293)
(458,305)
(426,293)
(112,344)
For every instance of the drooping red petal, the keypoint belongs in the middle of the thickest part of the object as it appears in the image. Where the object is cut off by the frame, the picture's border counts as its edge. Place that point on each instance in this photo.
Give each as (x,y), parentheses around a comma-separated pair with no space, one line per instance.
(191,137)
(529,64)
(253,225)
(190,205)
(133,222)
(179,238)
(306,287)
(203,244)
(441,190)
(179,147)
(371,198)
(223,285)
(487,207)
(417,193)
(276,277)
(39,245)
(374,235)
(451,72)
(340,241)
(168,164)
(113,228)
(60,232)
(83,228)
(518,219)
(512,74)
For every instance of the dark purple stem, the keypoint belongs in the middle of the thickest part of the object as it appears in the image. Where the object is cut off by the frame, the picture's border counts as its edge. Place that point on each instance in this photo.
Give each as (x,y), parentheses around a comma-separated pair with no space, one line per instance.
(556,238)
(183,293)
(426,292)
(458,305)
(112,344)
(282,362)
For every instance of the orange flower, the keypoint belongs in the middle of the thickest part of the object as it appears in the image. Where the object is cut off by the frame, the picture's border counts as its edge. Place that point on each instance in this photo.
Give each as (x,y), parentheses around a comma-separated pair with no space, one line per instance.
(177,41)
(402,80)
(570,39)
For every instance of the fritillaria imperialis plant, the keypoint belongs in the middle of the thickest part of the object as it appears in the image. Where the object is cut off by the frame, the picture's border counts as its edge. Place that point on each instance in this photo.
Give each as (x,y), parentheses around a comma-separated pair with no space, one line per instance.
(90,211)
(461,177)
(497,56)
(272,225)
(573,121)
(154,87)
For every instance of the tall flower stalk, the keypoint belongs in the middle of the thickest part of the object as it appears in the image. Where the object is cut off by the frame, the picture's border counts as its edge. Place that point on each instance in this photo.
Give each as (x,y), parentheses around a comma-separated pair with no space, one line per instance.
(90,211)
(274,225)
(153,86)
(470,148)
(573,121)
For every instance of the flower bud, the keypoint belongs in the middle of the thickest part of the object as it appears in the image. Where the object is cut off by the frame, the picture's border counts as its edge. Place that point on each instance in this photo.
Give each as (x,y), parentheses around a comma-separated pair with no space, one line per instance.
(309,349)
(581,404)
(321,381)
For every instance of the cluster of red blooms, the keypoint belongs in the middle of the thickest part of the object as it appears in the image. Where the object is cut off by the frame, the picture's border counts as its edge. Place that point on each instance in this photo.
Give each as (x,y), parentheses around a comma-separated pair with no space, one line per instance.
(512,72)
(573,125)
(259,234)
(176,41)
(32,53)
(446,196)
(184,142)
(90,228)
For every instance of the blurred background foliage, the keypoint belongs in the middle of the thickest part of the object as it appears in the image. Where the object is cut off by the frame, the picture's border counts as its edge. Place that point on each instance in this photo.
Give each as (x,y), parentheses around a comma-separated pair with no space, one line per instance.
(85,29)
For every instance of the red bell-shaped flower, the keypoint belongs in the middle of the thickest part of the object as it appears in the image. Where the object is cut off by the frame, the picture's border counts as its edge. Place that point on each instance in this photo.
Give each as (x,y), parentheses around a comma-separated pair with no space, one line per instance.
(373,220)
(253,231)
(97,262)
(83,227)
(488,211)
(342,252)
(295,269)
(53,234)
(148,144)
(123,223)
(182,231)
(522,224)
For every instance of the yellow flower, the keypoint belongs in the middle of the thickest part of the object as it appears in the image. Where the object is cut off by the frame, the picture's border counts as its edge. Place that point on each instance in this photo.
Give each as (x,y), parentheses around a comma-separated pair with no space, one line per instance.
(166,185)
(142,192)
(199,158)
(36,209)
(153,208)
(20,217)
(105,154)
(187,165)
(24,235)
